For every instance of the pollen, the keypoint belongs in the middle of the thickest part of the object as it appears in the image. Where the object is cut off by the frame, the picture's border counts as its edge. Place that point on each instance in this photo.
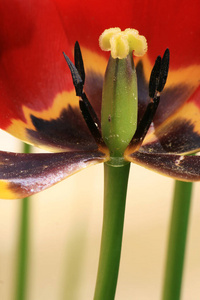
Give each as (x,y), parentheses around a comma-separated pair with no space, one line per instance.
(121,43)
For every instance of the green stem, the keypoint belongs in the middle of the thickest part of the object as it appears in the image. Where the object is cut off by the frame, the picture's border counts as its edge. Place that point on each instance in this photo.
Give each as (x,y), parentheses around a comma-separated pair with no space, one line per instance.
(115,181)
(21,285)
(177,240)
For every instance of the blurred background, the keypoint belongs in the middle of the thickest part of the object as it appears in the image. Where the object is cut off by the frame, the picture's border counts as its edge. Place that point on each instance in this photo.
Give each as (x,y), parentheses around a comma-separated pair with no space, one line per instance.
(65,232)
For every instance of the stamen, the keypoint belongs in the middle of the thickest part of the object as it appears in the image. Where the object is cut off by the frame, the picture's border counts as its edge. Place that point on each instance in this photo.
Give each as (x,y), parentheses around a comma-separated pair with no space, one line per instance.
(144,125)
(154,78)
(77,81)
(79,61)
(86,108)
(93,127)
(156,84)
(164,70)
(159,74)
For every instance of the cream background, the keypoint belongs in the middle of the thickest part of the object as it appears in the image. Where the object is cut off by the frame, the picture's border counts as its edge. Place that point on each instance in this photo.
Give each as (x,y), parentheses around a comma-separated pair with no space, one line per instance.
(65,236)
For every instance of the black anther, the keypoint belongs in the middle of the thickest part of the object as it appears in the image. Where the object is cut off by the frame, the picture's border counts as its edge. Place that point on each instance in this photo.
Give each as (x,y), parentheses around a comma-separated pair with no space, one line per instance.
(78,77)
(159,74)
(154,78)
(156,84)
(144,124)
(164,70)
(78,61)
(77,81)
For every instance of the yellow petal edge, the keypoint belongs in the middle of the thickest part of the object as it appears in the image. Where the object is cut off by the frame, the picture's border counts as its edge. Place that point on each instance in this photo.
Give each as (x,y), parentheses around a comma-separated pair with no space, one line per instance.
(6,192)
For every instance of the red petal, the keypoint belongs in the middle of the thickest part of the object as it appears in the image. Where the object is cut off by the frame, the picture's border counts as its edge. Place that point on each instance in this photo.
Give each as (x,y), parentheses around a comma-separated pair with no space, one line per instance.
(22,175)
(33,70)
(35,80)
(172,24)
(33,75)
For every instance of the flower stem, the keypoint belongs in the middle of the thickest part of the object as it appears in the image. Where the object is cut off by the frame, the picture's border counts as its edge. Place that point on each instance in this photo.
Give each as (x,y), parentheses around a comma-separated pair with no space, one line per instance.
(22,263)
(115,181)
(177,240)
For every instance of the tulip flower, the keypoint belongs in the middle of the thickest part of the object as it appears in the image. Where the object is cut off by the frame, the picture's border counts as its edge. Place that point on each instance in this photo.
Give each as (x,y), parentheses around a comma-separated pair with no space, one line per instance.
(39,102)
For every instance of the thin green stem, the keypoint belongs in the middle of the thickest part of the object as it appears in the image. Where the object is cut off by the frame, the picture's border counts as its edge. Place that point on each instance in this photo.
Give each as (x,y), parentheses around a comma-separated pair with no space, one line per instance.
(22,263)
(115,181)
(177,240)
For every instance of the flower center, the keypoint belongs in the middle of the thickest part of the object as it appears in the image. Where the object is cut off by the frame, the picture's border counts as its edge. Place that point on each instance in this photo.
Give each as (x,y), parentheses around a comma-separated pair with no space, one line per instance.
(118,133)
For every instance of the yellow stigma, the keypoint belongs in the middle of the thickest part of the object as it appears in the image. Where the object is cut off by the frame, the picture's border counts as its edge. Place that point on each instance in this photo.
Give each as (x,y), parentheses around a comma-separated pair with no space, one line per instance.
(121,43)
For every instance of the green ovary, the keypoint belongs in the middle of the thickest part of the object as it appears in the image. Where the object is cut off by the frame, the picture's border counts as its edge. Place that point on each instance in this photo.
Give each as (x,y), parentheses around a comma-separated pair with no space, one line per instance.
(119,105)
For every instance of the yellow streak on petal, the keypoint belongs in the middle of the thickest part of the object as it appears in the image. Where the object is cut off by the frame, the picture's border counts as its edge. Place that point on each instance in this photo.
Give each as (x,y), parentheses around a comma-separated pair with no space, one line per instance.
(94,62)
(188,76)
(5,192)
(62,100)
(189,112)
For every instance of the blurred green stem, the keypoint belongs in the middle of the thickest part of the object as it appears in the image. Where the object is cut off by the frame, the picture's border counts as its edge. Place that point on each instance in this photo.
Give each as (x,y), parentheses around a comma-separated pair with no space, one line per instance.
(115,188)
(177,240)
(22,263)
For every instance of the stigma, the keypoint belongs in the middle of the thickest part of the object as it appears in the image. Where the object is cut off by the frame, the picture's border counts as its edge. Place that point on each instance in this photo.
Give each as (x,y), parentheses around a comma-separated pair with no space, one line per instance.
(122,43)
